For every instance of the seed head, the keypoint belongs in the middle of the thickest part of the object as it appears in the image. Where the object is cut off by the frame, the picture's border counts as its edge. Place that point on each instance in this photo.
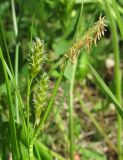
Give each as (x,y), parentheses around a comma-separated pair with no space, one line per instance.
(40,95)
(37,57)
(91,36)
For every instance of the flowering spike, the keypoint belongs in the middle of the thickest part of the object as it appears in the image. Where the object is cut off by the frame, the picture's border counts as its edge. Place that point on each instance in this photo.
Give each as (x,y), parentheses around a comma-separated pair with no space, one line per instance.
(40,95)
(91,36)
(37,57)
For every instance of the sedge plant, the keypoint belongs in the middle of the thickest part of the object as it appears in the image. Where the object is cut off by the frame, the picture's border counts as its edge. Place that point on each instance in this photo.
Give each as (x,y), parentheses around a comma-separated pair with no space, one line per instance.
(37,57)
(38,95)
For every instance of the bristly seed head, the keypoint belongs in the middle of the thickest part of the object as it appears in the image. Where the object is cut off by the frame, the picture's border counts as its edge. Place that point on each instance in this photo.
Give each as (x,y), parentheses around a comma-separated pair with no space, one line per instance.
(40,95)
(91,36)
(37,57)
(40,90)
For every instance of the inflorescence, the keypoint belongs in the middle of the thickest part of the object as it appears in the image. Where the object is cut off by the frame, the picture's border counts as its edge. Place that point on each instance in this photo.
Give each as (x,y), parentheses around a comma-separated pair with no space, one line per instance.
(91,36)
(37,60)
(37,57)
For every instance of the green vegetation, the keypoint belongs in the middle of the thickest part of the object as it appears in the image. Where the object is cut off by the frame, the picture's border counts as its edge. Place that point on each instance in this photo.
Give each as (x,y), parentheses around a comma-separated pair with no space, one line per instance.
(61,80)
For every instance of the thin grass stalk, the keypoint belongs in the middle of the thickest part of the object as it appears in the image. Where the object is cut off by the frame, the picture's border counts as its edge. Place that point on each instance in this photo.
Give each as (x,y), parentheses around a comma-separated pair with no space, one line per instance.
(28,104)
(31,29)
(14,143)
(29,91)
(5,43)
(28,99)
(71,120)
(16,81)
(71,125)
(43,120)
(14,18)
(119,19)
(107,90)
(117,75)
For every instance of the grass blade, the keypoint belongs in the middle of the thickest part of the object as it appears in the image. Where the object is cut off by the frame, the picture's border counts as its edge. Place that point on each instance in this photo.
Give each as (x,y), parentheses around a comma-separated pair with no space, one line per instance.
(16,81)
(117,74)
(108,91)
(11,112)
(14,18)
(118,17)
(72,80)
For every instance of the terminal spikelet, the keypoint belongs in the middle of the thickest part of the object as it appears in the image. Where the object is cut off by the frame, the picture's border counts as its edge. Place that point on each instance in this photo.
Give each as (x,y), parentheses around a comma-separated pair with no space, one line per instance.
(91,36)
(37,57)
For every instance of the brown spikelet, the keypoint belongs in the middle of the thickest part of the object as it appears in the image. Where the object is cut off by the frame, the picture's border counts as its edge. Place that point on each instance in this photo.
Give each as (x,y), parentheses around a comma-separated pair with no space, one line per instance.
(91,36)
(88,42)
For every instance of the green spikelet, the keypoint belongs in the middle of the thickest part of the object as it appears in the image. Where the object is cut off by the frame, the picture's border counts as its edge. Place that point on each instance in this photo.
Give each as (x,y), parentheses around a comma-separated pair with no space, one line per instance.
(40,95)
(37,57)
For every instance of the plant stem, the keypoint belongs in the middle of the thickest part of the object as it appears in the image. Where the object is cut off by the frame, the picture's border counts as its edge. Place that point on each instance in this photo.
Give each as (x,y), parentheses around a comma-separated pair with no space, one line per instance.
(117,75)
(71,110)
(28,99)
(72,89)
(14,18)
(6,47)
(16,81)
(107,90)
(118,17)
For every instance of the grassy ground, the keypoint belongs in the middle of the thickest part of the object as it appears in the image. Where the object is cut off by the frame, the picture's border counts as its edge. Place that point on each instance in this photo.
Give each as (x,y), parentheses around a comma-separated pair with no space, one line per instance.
(61,97)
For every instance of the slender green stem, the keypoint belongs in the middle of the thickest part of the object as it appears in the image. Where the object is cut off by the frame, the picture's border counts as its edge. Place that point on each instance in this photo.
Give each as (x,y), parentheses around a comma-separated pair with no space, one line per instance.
(11,112)
(28,104)
(14,18)
(31,29)
(107,90)
(43,120)
(28,97)
(71,110)
(16,81)
(117,75)
(119,19)
(72,90)
(5,43)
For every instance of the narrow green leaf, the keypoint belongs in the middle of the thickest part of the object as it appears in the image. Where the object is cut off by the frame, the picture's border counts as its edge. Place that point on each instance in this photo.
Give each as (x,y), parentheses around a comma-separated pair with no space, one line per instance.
(118,17)
(11,111)
(108,91)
